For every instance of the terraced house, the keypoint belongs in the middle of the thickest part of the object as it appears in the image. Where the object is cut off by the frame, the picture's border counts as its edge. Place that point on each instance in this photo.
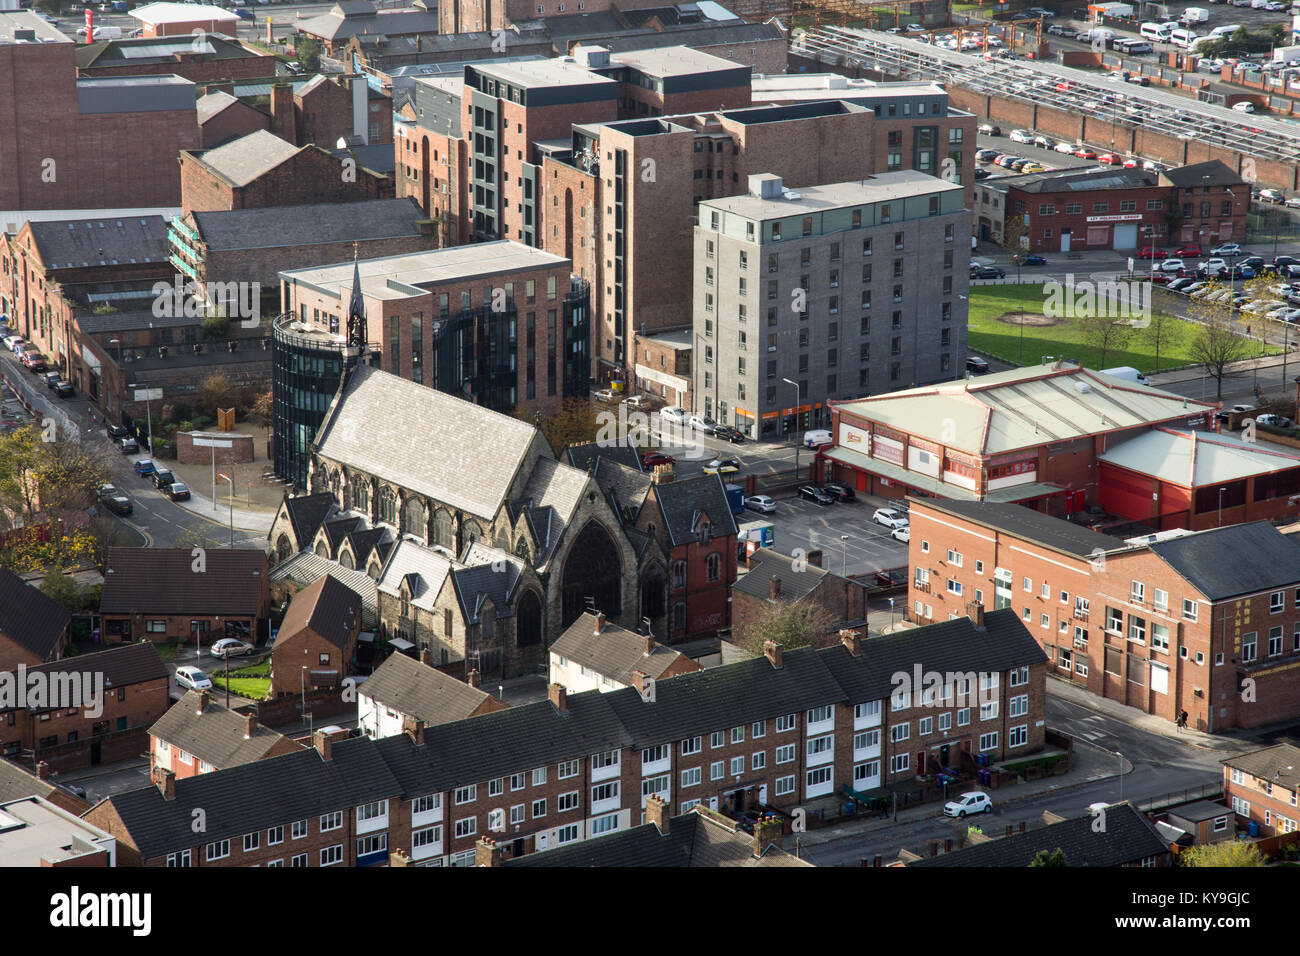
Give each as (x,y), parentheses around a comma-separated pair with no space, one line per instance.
(773,731)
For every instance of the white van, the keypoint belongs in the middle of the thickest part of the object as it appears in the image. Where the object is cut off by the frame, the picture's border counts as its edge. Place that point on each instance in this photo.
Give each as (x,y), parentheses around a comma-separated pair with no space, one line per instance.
(1225,31)
(1182,38)
(1195,15)
(1128,373)
(1159,32)
(1135,47)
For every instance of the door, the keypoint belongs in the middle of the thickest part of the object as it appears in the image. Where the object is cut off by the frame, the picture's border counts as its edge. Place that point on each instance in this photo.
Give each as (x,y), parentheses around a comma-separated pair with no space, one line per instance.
(1065,240)
(199,630)
(943,754)
(1126,236)
(738,801)
(95,755)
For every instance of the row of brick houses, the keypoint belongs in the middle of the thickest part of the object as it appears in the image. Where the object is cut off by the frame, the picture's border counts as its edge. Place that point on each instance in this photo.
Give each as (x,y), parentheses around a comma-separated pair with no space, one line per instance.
(776,731)
(1205,622)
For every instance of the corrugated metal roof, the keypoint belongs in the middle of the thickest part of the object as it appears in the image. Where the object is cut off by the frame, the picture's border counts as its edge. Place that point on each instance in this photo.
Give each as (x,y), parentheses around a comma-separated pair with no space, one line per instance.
(1192,459)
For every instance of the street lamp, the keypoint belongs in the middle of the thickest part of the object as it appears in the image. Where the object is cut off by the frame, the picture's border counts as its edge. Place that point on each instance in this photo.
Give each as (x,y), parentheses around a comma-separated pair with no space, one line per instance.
(1121,775)
(1221,491)
(231,482)
(147,410)
(844,543)
(797,398)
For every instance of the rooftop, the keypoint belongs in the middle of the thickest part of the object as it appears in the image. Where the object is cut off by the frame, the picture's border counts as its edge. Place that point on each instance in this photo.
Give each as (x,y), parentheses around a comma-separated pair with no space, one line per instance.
(1193,459)
(413,689)
(613,652)
(135,94)
(792,87)
(30,618)
(35,833)
(71,244)
(327,607)
(182,13)
(1026,523)
(672,61)
(1279,765)
(313,224)
(166,581)
(1212,173)
(1241,559)
(1074,180)
(245,159)
(885,187)
(214,734)
(42,32)
(545,73)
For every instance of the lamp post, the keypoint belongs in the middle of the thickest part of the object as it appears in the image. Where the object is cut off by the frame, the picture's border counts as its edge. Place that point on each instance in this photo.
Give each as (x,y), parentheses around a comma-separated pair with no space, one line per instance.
(1022,314)
(797,398)
(1221,491)
(302,683)
(231,482)
(844,543)
(1121,775)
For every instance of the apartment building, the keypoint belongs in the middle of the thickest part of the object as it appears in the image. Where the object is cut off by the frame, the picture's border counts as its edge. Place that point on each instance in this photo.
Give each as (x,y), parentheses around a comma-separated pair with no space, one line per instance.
(772,731)
(1207,622)
(594,654)
(197,735)
(403,689)
(827,292)
(1263,788)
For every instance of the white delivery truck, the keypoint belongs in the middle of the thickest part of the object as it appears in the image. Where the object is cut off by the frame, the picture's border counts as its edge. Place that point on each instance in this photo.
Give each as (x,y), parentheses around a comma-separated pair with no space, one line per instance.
(1194,15)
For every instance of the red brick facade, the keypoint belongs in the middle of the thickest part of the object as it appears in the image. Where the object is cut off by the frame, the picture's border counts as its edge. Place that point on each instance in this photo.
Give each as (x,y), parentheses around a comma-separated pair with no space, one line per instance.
(312,176)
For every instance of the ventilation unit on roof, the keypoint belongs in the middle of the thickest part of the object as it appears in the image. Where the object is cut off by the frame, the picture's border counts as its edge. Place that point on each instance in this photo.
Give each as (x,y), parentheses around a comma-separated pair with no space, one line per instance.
(1082,388)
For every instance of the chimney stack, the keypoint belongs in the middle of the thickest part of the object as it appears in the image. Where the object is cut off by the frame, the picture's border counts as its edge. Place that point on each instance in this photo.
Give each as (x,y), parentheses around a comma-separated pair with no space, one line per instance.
(600,621)
(559,697)
(324,745)
(426,657)
(42,771)
(413,727)
(649,644)
(487,852)
(852,641)
(814,557)
(656,812)
(250,725)
(766,832)
(773,588)
(772,651)
(662,475)
(203,702)
(975,611)
(165,781)
(474,679)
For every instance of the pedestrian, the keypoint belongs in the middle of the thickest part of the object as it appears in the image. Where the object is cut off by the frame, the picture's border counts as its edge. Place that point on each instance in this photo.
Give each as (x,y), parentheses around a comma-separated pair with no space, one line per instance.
(1248,330)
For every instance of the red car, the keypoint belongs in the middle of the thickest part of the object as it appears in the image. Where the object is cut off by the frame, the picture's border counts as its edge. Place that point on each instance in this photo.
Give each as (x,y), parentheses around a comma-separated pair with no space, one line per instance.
(1083,152)
(1151,252)
(657,458)
(1110,159)
(1192,251)
(1131,164)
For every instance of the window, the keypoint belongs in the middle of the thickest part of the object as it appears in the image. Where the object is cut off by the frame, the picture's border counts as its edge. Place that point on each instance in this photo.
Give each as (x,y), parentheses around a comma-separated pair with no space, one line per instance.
(820,745)
(1114,620)
(1160,600)
(517,813)
(988,742)
(737,766)
(1159,637)
(1137,630)
(517,779)
(1276,601)
(737,735)
(179,859)
(989,711)
(568,768)
(900,732)
(963,717)
(218,850)
(331,855)
(331,821)
(1189,609)
(718,739)
(466,827)
(539,808)
(718,769)
(252,841)
(759,729)
(900,763)
(784,786)
(1274,641)
(784,724)
(1136,591)
(785,754)
(691,745)
(691,777)
(539,777)
(1248,642)
(925,726)
(274,835)
(298,830)
(758,761)
(954,557)
(1017,736)
(467,794)
(1018,706)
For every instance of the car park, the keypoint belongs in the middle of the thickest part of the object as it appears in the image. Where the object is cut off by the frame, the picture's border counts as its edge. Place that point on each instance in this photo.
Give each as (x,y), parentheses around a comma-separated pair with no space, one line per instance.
(128,446)
(968,804)
(986,155)
(890,518)
(727,433)
(231,647)
(816,495)
(178,491)
(760,503)
(838,491)
(1021,136)
(193,678)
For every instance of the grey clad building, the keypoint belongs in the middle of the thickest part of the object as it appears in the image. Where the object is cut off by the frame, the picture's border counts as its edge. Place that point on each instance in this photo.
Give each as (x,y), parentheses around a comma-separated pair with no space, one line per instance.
(828,292)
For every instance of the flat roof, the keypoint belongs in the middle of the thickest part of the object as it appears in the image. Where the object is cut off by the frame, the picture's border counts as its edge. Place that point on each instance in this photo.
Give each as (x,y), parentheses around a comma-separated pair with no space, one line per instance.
(135,94)
(182,13)
(784,87)
(811,199)
(544,73)
(32,830)
(398,277)
(671,61)
(43,32)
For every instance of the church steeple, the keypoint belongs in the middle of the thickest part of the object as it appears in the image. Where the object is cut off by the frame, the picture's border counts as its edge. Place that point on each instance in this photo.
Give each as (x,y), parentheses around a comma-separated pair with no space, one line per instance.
(356,345)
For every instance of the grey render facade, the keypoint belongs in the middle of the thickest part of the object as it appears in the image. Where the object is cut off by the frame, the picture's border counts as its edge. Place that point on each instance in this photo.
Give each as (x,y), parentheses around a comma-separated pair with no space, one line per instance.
(880,267)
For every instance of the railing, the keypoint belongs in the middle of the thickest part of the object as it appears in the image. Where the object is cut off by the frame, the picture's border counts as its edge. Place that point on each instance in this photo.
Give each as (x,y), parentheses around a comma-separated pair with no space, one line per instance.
(1175,797)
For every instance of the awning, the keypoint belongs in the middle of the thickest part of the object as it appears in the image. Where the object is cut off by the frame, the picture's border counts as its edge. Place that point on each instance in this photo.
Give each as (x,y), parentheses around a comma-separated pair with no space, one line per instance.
(933,486)
(401,645)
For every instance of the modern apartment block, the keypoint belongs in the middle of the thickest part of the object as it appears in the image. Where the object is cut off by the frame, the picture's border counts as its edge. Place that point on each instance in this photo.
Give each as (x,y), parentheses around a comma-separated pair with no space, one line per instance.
(827,292)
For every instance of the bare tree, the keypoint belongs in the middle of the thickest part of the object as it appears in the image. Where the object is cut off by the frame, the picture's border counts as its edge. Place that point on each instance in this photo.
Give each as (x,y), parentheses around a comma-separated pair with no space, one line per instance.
(1106,333)
(795,624)
(1215,343)
(1163,329)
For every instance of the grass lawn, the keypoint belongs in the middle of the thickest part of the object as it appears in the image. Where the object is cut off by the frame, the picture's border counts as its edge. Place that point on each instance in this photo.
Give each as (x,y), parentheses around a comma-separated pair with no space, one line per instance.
(252,688)
(1064,338)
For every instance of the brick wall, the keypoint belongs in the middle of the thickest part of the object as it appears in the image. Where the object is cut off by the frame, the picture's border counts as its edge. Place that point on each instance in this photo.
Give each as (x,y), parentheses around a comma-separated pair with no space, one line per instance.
(187,454)
(312,176)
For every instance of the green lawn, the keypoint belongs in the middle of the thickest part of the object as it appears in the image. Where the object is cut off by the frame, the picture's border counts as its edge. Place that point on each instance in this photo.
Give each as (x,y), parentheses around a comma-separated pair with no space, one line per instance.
(1065,338)
(251,688)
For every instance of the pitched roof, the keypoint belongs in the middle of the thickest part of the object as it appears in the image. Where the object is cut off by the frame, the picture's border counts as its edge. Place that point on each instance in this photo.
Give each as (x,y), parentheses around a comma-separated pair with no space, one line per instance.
(1070,180)
(313,224)
(766,564)
(1127,838)
(627,485)
(78,243)
(18,782)
(119,666)
(29,617)
(328,607)
(1212,173)
(552,495)
(306,513)
(1028,524)
(425,448)
(488,574)
(167,581)
(212,104)
(580,456)
(414,689)
(305,567)
(1279,764)
(423,569)
(1194,458)
(245,159)
(615,652)
(216,735)
(684,501)
(1240,559)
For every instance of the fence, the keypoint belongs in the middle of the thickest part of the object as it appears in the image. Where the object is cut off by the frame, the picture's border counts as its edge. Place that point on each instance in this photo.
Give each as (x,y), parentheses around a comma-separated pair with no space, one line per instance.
(1176,797)
(37,404)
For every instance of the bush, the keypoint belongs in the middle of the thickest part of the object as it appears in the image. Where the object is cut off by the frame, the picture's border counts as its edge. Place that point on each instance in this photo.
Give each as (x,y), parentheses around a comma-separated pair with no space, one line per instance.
(181,412)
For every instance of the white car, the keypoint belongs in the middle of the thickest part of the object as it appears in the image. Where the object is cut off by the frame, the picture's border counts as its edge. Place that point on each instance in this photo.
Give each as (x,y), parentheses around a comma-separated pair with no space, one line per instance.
(1214,265)
(1064,147)
(1021,136)
(603,395)
(702,423)
(1277,421)
(915,28)
(1227,249)
(231,647)
(673,414)
(967,804)
(1171,265)
(890,518)
(1245,106)
(193,678)
(903,534)
(636,401)
(760,503)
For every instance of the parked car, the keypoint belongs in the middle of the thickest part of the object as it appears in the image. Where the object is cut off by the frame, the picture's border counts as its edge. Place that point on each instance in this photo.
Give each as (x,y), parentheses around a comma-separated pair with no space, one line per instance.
(1033,167)
(1021,136)
(604,395)
(968,804)
(128,446)
(903,534)
(116,431)
(161,477)
(144,467)
(760,503)
(1277,421)
(244,14)
(1179,285)
(889,518)
(51,379)
(722,466)
(986,155)
(193,678)
(1152,252)
(672,414)
(977,365)
(637,401)
(814,494)
(1281,262)
(231,647)
(1067,148)
(64,389)
(1029,260)
(702,423)
(1226,249)
(179,491)
(988,129)
(727,433)
(651,459)
(1083,152)
(838,491)
(114,500)
(987,272)
(1192,252)
(1110,159)
(1172,265)
(34,360)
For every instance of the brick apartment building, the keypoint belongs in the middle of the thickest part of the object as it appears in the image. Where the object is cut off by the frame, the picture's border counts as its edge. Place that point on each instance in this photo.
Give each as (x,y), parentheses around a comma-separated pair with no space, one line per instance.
(261,170)
(319,111)
(1206,622)
(594,654)
(895,245)
(403,688)
(197,735)
(135,694)
(1211,201)
(203,60)
(466,16)
(115,144)
(1033,434)
(33,627)
(1263,786)
(319,636)
(773,731)
(774,579)
(159,594)
(691,519)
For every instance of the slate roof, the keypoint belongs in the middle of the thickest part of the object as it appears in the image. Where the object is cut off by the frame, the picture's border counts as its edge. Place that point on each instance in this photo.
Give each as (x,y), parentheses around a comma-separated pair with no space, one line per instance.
(425,449)
(495,580)
(1127,838)
(215,736)
(1229,562)
(306,514)
(17,783)
(1057,534)
(306,567)
(78,243)
(365,541)
(614,653)
(551,496)
(414,689)
(336,529)
(1279,764)
(333,26)
(328,607)
(694,839)
(30,618)
(1195,175)
(314,224)
(250,157)
(683,501)
(120,666)
(766,564)
(424,569)
(1071,180)
(163,581)
(378,158)
(580,456)
(628,486)
(213,104)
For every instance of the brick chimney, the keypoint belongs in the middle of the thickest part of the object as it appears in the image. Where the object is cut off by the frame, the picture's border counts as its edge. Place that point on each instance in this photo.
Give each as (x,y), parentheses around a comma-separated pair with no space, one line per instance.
(656,812)
(773,588)
(559,697)
(165,781)
(852,641)
(766,832)
(413,727)
(426,657)
(772,651)
(282,118)
(203,702)
(487,852)
(474,680)
(399,858)
(324,745)
(649,644)
(662,475)
(814,557)
(42,771)
(250,725)
(600,622)
(975,611)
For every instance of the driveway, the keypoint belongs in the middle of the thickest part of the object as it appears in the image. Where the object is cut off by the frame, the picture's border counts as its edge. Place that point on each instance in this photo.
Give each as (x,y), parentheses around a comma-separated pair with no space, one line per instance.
(808,526)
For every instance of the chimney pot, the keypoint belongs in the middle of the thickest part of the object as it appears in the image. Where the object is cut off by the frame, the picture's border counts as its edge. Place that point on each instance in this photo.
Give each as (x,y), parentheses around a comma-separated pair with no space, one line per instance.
(766,832)
(772,651)
(600,621)
(413,727)
(975,611)
(852,641)
(559,697)
(662,474)
(203,702)
(656,812)
(487,852)
(474,678)
(250,725)
(165,780)
(649,644)
(42,771)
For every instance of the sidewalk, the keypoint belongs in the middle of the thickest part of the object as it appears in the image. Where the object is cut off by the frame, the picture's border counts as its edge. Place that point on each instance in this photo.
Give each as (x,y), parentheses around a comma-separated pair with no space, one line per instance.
(244,519)
(1229,743)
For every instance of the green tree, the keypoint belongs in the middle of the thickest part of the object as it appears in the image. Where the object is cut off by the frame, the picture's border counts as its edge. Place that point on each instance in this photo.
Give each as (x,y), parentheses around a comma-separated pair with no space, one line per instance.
(1225,853)
(1049,858)
(1162,330)
(214,393)
(790,624)
(573,422)
(77,598)
(307,49)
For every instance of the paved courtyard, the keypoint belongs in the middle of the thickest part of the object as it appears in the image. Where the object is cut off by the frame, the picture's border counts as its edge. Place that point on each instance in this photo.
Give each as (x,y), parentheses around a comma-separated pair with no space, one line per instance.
(803,524)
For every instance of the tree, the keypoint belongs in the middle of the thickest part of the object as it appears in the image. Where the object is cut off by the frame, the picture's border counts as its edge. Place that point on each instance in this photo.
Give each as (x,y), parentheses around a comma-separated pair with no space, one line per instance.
(1163,329)
(1105,333)
(1215,343)
(1225,853)
(1013,230)
(307,49)
(215,392)
(263,408)
(77,598)
(793,624)
(573,422)
(216,324)
(1049,858)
